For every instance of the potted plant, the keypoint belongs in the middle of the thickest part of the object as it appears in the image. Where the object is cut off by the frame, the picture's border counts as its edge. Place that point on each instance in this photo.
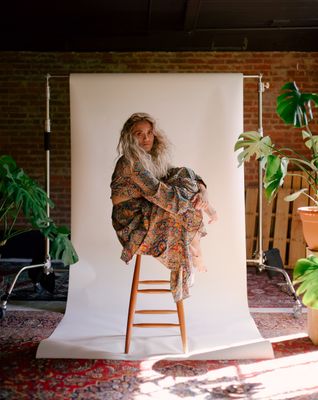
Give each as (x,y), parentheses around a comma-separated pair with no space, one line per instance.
(294,108)
(22,196)
(305,275)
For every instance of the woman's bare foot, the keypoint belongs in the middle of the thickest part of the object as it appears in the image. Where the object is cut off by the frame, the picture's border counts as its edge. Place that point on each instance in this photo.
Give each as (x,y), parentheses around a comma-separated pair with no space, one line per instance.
(200,201)
(196,253)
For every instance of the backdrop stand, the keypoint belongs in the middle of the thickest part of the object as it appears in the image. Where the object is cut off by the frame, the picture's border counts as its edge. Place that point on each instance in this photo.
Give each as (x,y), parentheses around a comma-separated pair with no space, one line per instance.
(47,147)
(259,260)
(46,265)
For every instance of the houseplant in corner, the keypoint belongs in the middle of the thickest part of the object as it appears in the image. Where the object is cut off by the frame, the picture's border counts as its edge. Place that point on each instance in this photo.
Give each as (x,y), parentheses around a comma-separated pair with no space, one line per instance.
(306,276)
(295,109)
(21,196)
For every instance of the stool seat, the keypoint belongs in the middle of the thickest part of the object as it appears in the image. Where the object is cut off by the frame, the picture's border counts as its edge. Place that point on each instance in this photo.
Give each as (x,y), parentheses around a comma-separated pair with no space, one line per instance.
(132,308)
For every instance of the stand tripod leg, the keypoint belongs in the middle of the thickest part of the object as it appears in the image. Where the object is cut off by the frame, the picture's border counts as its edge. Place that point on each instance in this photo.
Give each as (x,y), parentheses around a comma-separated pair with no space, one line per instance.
(5,297)
(297,309)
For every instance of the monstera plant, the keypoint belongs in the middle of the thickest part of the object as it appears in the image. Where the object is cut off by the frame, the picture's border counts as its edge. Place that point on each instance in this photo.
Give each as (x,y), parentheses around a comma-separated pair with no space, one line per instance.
(21,196)
(306,276)
(296,109)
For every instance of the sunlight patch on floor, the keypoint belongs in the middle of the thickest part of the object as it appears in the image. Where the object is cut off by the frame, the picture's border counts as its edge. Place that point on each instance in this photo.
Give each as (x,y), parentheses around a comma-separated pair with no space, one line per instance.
(174,384)
(278,379)
(283,378)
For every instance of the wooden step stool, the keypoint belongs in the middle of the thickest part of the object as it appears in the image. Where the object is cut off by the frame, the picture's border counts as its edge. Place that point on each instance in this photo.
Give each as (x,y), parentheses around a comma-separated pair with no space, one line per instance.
(132,305)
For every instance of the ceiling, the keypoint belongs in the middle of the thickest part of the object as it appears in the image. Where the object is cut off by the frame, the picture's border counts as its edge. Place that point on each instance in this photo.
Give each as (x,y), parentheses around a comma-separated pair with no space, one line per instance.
(159,25)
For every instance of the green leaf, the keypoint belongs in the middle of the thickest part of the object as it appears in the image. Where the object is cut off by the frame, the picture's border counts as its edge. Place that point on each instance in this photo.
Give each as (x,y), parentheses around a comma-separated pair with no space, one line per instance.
(275,172)
(64,230)
(294,107)
(305,275)
(295,195)
(6,165)
(253,144)
(18,192)
(62,249)
(312,140)
(312,143)
(303,265)
(305,134)
(314,163)
(18,189)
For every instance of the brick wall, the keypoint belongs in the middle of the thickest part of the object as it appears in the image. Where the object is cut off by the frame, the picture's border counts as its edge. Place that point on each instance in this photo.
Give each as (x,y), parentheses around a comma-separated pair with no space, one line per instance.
(22,100)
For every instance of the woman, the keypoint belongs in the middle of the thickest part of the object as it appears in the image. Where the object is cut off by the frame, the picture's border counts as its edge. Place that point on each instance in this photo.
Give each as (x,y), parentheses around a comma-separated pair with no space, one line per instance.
(157,208)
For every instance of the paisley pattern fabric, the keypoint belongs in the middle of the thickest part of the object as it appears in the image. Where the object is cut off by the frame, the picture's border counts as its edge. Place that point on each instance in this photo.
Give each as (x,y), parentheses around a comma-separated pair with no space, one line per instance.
(159,219)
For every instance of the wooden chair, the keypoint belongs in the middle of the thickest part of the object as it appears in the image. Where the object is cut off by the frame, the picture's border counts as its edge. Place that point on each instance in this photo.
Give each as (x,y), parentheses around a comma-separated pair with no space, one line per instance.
(132,308)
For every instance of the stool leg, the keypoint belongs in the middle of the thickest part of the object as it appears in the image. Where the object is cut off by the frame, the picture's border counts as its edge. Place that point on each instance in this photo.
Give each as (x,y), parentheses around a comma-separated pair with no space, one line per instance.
(182,326)
(132,303)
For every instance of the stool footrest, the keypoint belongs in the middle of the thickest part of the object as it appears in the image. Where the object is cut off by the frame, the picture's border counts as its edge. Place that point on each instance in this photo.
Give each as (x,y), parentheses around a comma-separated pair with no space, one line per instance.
(151,291)
(178,321)
(155,311)
(155,325)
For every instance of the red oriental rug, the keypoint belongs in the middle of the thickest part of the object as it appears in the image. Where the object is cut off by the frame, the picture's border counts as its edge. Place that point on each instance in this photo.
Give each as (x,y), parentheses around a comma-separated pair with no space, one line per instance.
(291,375)
(266,292)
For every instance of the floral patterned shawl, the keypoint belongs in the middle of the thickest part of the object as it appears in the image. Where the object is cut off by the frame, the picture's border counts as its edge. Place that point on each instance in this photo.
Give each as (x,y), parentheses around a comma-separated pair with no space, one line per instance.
(159,218)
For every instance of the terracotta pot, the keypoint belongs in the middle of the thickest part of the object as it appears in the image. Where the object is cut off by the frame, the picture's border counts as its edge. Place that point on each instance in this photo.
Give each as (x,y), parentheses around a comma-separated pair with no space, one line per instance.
(309,219)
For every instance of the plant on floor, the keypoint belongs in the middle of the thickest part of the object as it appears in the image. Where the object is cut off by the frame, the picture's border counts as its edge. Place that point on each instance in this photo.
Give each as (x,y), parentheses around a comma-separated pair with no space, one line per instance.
(295,109)
(305,275)
(21,196)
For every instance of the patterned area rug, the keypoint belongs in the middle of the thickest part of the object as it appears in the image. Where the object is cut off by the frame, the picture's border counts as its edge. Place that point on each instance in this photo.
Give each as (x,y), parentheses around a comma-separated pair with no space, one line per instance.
(291,375)
(266,292)
(25,289)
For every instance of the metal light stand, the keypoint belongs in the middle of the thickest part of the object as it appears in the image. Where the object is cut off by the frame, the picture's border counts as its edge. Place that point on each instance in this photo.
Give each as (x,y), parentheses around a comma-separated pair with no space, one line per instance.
(47,266)
(259,253)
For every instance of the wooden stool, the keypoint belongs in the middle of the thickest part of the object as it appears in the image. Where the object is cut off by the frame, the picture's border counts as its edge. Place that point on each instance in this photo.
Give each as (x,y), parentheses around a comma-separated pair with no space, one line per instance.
(132,305)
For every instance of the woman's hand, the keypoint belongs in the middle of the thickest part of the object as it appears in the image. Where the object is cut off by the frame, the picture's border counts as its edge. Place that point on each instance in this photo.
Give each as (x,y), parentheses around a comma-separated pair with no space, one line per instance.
(200,201)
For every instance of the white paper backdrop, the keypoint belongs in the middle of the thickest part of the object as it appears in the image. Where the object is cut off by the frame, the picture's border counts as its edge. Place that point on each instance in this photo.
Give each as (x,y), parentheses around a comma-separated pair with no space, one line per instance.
(202,115)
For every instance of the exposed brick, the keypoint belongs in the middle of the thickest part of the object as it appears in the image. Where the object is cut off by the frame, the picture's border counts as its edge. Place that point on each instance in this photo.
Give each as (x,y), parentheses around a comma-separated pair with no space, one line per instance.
(22,100)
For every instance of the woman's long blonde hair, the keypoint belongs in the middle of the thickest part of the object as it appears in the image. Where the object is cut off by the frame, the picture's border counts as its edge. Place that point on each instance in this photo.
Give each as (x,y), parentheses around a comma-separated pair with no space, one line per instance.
(157,161)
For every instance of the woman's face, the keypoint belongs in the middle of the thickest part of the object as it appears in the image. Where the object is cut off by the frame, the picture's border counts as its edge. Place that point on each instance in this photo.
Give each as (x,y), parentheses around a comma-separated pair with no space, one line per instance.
(143,132)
